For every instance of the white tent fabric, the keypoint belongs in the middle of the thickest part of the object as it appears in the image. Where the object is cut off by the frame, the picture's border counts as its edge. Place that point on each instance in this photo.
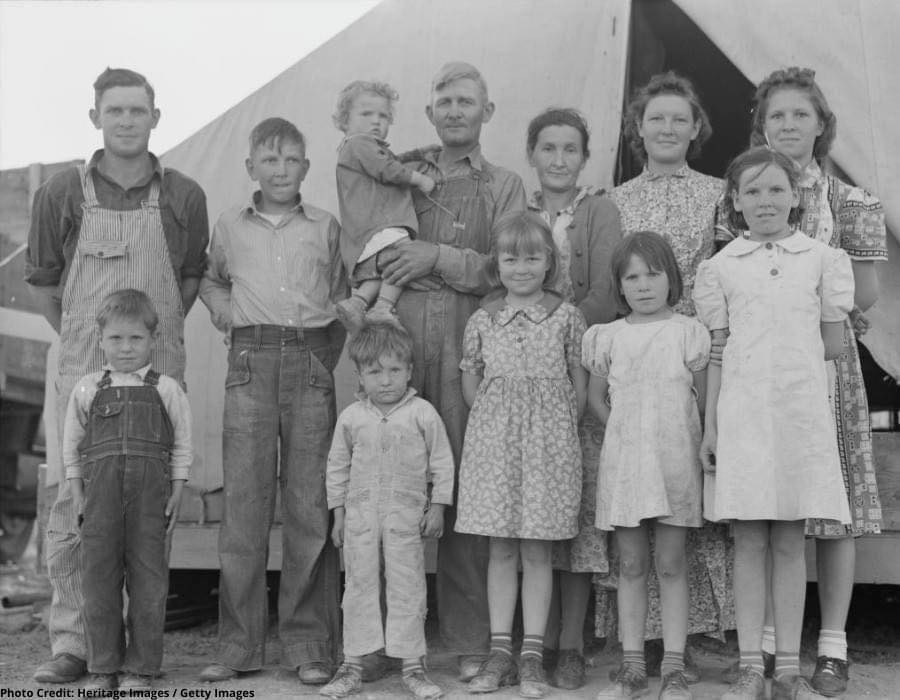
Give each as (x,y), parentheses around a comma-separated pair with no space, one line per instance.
(535,54)
(853,47)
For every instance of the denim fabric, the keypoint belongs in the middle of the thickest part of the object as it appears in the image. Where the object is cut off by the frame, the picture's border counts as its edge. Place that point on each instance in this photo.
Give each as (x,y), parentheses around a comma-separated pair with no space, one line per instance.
(123,536)
(279,401)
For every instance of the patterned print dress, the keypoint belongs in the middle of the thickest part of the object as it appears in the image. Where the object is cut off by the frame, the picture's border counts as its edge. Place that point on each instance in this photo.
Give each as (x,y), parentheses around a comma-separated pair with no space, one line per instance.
(520,474)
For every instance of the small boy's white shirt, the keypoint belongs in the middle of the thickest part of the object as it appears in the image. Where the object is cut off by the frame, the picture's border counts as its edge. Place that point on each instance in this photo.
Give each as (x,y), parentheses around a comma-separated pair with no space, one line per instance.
(173,398)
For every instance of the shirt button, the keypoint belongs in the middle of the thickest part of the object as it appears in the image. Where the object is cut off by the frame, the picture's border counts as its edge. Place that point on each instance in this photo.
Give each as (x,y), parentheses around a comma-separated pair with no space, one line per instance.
(769,246)
(773,272)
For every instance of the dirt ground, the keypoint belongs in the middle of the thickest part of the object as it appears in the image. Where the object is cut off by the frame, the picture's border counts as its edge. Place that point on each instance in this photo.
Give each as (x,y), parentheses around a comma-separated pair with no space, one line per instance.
(873,634)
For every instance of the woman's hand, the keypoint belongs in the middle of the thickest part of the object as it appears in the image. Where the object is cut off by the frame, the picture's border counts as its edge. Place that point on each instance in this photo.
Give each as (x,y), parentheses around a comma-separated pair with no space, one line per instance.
(708,450)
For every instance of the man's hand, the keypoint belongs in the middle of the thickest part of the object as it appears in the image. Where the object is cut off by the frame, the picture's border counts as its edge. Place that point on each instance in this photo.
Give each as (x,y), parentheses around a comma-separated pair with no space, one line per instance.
(337,532)
(407,261)
(76,486)
(432,524)
(173,503)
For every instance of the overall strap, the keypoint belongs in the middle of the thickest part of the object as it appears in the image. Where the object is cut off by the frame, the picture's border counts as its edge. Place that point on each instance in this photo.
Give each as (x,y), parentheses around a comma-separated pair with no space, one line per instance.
(105,381)
(87,187)
(155,183)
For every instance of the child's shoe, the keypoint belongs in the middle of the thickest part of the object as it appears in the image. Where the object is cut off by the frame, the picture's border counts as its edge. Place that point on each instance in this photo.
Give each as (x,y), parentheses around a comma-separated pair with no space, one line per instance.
(569,672)
(497,671)
(532,681)
(749,685)
(730,674)
(630,682)
(793,688)
(830,677)
(352,313)
(382,313)
(135,681)
(346,681)
(102,681)
(675,687)
(421,686)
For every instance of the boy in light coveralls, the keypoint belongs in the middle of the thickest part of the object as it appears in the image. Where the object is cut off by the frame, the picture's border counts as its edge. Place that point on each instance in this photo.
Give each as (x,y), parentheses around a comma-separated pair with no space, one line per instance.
(389,447)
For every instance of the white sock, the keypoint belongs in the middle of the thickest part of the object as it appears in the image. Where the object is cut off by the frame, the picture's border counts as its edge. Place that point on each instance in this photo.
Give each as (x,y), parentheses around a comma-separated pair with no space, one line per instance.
(768,640)
(833,643)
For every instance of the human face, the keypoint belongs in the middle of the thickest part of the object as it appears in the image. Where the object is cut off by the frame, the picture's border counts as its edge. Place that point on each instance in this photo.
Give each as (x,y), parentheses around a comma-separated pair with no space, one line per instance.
(126,344)
(385,381)
(279,169)
(792,124)
(558,158)
(523,274)
(646,290)
(369,114)
(126,118)
(765,198)
(667,128)
(457,111)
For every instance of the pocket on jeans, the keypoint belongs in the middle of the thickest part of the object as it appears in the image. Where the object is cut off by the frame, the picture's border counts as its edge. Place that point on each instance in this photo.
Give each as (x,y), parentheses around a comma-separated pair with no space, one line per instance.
(318,375)
(238,368)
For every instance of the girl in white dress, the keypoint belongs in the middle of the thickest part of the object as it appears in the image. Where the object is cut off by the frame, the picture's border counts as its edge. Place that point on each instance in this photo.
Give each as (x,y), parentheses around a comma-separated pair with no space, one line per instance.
(769,446)
(647,370)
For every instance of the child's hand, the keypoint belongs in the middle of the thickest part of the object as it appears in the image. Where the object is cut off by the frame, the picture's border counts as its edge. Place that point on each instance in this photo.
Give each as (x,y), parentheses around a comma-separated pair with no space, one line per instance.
(426,184)
(718,341)
(708,450)
(337,532)
(76,486)
(432,524)
(173,504)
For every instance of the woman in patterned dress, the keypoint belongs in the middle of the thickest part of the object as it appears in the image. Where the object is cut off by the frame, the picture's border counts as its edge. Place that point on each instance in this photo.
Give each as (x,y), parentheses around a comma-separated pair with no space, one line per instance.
(665,126)
(586,229)
(792,116)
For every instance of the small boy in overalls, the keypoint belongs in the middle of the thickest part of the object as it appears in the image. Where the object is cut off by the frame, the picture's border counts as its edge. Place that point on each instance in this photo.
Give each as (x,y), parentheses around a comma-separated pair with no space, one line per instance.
(389,477)
(126,452)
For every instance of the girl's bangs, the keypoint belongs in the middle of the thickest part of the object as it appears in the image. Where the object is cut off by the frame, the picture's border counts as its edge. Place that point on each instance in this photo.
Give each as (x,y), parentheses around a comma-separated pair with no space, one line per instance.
(521,241)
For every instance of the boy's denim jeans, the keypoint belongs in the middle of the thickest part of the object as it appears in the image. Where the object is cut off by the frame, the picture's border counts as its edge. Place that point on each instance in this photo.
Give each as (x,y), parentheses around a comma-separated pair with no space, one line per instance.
(279,410)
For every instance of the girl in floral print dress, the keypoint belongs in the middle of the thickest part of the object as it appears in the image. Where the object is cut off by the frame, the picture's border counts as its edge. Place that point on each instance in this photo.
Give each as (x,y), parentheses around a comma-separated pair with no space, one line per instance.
(520,475)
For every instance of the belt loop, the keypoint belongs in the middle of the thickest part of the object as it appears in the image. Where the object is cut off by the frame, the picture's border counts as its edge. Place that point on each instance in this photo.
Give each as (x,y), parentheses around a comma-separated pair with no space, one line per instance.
(257,337)
(301,337)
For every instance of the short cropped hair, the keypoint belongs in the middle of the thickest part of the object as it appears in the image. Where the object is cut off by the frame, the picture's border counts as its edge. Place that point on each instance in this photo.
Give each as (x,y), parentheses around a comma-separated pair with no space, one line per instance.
(274,131)
(121,77)
(804,80)
(130,305)
(348,95)
(558,116)
(656,253)
(751,158)
(522,233)
(459,70)
(377,339)
(669,83)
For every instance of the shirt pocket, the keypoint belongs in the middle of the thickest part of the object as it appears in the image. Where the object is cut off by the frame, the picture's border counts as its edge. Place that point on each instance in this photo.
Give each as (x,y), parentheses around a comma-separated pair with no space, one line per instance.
(103,249)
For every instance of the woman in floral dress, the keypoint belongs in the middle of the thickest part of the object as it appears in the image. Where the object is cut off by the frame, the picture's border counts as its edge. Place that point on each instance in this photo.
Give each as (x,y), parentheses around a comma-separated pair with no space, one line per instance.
(665,125)
(792,116)
(586,228)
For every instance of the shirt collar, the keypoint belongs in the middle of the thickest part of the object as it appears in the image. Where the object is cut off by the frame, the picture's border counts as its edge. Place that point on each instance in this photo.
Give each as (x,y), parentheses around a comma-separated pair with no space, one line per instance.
(502,313)
(810,175)
(683,171)
(380,142)
(536,201)
(309,212)
(797,242)
(473,156)
(407,397)
(140,373)
(154,161)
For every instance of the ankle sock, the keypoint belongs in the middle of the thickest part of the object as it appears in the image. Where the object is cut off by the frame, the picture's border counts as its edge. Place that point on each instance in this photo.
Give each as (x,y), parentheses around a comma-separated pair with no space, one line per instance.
(833,643)
(787,664)
(354,663)
(532,645)
(671,661)
(410,666)
(768,640)
(753,659)
(383,303)
(501,643)
(635,659)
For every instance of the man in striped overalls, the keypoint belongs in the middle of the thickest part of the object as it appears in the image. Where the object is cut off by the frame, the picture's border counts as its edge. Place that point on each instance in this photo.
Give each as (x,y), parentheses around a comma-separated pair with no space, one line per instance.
(96,228)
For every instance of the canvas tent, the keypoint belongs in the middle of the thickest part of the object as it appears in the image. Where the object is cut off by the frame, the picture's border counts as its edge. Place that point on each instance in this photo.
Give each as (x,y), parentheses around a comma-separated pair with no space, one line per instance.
(581,53)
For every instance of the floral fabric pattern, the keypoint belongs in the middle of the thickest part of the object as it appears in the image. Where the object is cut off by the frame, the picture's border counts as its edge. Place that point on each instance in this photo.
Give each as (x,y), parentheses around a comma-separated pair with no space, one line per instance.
(681,207)
(520,474)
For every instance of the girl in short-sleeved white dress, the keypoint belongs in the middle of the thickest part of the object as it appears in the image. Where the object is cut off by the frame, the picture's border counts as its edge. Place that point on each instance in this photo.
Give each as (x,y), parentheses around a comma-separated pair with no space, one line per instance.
(649,463)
